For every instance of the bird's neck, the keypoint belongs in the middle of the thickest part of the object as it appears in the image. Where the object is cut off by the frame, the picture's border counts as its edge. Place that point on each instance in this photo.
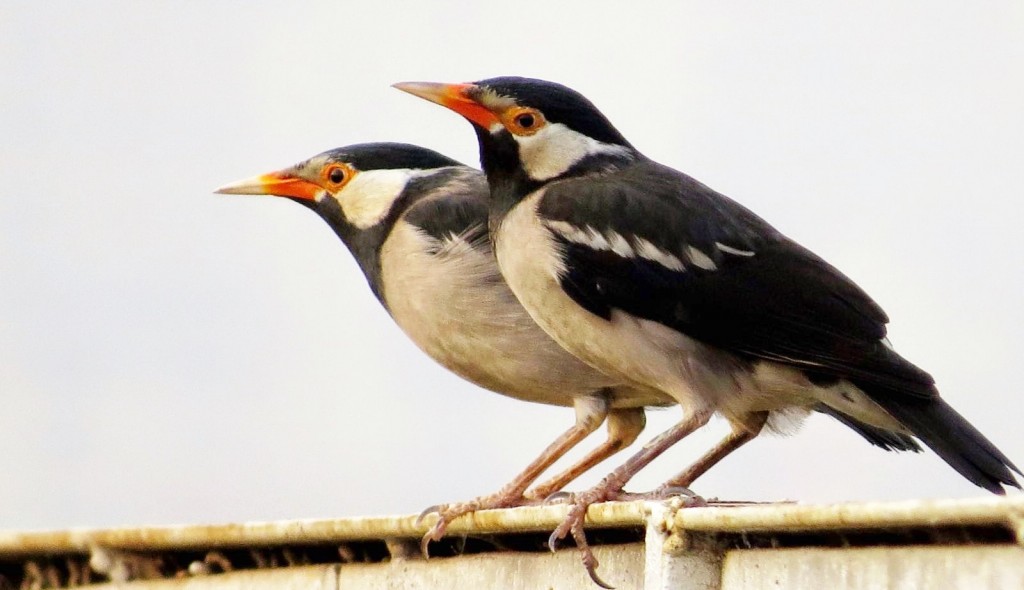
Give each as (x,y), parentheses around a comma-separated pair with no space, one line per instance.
(364,244)
(509,184)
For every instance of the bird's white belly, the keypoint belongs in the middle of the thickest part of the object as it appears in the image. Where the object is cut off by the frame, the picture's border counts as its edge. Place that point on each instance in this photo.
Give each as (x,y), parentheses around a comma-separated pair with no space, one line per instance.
(456,308)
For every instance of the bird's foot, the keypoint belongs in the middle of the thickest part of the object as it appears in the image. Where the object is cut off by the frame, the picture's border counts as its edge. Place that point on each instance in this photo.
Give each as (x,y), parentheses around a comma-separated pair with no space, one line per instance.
(689,497)
(447,513)
(574,520)
(605,492)
(660,494)
(562,497)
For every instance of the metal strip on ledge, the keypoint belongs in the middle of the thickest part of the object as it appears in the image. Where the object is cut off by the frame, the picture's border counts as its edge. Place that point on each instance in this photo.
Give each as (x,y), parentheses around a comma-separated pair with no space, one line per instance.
(741,518)
(369,528)
(901,544)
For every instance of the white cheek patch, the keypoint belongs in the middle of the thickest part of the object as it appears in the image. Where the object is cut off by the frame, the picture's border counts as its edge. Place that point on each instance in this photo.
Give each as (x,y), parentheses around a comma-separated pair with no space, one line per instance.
(368,197)
(555,148)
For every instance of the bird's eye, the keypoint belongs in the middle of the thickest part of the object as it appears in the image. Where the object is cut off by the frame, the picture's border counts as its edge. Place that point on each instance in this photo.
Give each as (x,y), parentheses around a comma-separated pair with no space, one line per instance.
(336,174)
(523,120)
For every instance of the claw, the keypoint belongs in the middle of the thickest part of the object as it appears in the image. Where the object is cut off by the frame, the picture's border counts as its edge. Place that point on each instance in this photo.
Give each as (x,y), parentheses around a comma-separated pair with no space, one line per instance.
(553,540)
(567,526)
(695,502)
(436,532)
(678,491)
(573,525)
(591,565)
(686,495)
(425,544)
(558,496)
(446,513)
(438,508)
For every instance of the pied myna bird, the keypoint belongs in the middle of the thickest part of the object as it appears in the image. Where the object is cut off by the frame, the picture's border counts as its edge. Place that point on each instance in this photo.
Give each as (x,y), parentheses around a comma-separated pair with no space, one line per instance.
(658,280)
(416,223)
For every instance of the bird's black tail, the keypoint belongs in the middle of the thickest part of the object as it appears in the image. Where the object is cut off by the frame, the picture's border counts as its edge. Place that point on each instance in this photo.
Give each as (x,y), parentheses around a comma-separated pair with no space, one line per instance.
(952,437)
(890,441)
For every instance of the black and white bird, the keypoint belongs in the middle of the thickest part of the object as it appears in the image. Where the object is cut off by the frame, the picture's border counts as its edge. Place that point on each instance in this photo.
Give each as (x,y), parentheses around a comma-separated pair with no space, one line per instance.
(416,223)
(658,280)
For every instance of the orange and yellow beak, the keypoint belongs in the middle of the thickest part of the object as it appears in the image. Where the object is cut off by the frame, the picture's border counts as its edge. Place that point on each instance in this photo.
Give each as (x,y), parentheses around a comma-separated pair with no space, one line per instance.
(281,184)
(457,97)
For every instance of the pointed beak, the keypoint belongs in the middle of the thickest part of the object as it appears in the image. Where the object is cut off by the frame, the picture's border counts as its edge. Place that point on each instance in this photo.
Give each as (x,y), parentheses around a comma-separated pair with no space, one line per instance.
(280,184)
(457,97)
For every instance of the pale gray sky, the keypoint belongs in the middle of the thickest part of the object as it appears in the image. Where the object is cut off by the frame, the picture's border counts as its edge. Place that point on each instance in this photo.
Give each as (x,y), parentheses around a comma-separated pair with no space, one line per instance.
(170,355)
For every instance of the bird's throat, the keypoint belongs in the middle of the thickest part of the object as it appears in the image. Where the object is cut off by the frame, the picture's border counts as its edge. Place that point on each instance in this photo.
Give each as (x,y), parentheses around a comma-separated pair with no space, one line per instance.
(509,183)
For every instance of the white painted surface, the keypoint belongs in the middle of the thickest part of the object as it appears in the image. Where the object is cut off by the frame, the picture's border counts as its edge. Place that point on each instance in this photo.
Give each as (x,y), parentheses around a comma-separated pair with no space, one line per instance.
(297,578)
(894,568)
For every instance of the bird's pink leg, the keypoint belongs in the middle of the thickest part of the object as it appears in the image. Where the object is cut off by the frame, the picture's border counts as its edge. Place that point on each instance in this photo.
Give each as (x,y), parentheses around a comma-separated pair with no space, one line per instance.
(740,435)
(590,413)
(611,486)
(624,426)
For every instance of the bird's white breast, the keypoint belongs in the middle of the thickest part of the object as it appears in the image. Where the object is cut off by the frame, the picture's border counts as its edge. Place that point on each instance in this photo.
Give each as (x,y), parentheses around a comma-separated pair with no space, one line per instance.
(454,305)
(629,348)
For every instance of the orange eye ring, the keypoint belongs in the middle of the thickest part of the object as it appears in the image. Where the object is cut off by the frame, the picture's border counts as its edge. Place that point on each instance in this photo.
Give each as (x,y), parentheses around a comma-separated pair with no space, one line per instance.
(523,120)
(336,175)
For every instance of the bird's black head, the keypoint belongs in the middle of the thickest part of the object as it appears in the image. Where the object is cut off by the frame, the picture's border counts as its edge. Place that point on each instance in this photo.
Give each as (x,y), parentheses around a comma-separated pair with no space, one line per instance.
(355,188)
(531,132)
(389,156)
(359,190)
(557,103)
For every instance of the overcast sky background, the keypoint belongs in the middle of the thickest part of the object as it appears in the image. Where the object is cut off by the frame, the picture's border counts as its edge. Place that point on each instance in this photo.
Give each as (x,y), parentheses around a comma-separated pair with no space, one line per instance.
(171,355)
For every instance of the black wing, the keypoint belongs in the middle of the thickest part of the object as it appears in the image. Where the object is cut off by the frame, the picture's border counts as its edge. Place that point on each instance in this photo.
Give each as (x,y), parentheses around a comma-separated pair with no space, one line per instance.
(704,265)
(453,204)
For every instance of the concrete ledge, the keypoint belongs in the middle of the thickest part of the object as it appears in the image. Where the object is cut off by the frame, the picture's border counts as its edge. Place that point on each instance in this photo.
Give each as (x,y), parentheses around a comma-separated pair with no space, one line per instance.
(921,544)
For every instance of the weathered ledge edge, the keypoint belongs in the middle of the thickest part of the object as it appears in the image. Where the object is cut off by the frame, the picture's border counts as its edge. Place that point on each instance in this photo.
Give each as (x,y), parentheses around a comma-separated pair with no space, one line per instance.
(783,517)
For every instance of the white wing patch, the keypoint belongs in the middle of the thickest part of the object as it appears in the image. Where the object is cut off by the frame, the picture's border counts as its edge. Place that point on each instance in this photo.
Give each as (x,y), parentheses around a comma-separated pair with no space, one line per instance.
(596,240)
(700,259)
(569,231)
(619,245)
(615,242)
(734,251)
(633,247)
(653,253)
